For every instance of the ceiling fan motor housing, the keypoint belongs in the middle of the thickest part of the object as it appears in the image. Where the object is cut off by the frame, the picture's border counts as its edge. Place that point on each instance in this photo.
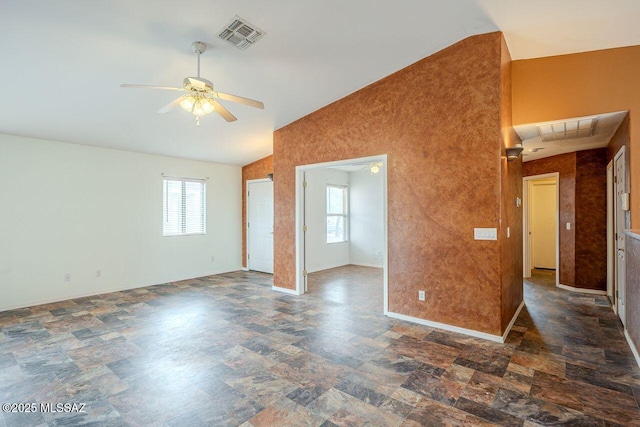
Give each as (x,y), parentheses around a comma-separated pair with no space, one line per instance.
(198,47)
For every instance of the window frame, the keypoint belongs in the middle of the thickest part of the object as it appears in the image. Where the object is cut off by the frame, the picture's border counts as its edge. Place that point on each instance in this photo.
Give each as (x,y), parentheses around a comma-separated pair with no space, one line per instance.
(344,215)
(183,207)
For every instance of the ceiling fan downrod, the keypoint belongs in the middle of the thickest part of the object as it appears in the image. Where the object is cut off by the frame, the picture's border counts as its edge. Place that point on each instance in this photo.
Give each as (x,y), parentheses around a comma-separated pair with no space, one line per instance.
(199,48)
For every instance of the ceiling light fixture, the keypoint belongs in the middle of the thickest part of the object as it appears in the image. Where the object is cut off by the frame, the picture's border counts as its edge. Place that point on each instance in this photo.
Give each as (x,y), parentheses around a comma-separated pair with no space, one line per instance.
(374,167)
(514,152)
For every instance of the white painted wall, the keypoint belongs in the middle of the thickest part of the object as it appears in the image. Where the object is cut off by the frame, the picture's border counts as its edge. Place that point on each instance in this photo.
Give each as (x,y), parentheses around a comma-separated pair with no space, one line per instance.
(318,254)
(76,209)
(367,220)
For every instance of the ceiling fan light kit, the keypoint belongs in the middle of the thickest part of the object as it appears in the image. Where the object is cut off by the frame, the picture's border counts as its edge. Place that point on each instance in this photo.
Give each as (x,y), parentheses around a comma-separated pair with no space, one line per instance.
(201,98)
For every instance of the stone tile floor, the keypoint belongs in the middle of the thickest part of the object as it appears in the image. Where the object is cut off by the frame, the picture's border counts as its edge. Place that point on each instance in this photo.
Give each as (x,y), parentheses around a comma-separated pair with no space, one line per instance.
(226,350)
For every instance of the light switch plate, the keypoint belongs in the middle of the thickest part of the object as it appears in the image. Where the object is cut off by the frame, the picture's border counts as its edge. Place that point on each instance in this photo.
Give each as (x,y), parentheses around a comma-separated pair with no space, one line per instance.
(485,233)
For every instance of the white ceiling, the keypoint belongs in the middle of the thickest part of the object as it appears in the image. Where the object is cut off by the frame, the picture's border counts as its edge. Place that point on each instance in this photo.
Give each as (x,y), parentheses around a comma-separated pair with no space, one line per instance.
(535,148)
(64,60)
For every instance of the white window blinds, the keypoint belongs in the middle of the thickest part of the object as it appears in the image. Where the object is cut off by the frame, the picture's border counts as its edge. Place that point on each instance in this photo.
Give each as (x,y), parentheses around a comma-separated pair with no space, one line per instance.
(183,207)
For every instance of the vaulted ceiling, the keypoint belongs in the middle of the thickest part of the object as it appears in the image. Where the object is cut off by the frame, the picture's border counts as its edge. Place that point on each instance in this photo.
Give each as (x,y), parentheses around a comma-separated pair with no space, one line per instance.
(63,60)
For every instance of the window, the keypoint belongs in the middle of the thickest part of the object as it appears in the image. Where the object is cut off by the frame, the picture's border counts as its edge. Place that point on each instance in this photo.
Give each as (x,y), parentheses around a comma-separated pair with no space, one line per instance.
(336,214)
(183,207)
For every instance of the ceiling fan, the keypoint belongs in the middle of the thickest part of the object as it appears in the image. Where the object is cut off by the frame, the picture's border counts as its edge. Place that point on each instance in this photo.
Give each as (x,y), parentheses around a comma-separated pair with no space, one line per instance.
(200,98)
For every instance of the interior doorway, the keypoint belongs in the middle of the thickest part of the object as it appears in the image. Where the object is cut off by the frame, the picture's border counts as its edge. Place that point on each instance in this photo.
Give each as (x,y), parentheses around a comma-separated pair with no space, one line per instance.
(260,225)
(541,217)
(327,206)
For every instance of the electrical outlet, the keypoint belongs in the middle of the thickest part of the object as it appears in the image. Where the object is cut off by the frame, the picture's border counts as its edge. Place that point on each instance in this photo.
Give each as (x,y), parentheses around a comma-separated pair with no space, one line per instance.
(421,295)
(98,273)
(212,259)
(67,277)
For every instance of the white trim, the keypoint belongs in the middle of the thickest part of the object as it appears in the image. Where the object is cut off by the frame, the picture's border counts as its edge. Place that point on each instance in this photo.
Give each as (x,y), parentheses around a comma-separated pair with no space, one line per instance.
(526,241)
(581,290)
(299,212)
(444,326)
(513,321)
(285,290)
(619,279)
(325,267)
(245,269)
(359,264)
(634,350)
(611,244)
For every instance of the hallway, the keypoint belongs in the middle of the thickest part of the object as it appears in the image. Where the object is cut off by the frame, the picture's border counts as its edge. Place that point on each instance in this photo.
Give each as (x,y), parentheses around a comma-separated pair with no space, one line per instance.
(226,350)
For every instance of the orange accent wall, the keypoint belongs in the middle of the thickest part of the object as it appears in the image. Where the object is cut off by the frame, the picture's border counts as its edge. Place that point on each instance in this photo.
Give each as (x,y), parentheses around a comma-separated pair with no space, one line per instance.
(256,170)
(582,84)
(442,124)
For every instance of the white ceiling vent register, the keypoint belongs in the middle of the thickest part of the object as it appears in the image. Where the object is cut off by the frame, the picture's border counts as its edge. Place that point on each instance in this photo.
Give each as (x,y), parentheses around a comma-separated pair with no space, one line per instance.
(571,129)
(241,33)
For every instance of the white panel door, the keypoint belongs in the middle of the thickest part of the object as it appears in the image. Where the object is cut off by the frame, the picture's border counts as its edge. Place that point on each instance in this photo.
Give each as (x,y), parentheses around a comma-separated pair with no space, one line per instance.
(620,225)
(260,226)
(543,230)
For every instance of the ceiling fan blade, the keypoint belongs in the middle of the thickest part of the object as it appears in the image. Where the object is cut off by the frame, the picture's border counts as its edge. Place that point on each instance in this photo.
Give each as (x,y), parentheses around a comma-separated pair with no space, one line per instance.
(241,100)
(170,106)
(153,87)
(223,111)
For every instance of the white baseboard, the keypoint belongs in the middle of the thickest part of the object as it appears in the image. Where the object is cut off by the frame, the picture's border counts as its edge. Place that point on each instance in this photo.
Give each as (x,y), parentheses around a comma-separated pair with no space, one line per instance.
(285,290)
(325,267)
(634,350)
(513,320)
(360,264)
(97,293)
(245,268)
(451,328)
(581,290)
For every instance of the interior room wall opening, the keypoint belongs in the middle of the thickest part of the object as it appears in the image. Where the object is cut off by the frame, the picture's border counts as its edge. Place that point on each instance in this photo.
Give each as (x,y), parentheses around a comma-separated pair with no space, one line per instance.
(541,236)
(588,156)
(343,245)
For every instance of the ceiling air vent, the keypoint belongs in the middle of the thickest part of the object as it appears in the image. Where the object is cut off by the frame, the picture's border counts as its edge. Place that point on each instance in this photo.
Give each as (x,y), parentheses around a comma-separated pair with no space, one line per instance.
(241,33)
(571,129)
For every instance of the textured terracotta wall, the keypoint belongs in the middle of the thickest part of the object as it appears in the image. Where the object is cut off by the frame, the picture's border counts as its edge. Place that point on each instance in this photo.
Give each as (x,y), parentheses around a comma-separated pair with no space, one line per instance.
(579,85)
(256,170)
(591,219)
(622,139)
(439,122)
(565,164)
(511,251)
(633,288)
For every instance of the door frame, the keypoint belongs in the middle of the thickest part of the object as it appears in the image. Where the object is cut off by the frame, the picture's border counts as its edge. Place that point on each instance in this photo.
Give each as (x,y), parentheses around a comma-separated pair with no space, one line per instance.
(526,222)
(611,244)
(247,216)
(620,280)
(301,278)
